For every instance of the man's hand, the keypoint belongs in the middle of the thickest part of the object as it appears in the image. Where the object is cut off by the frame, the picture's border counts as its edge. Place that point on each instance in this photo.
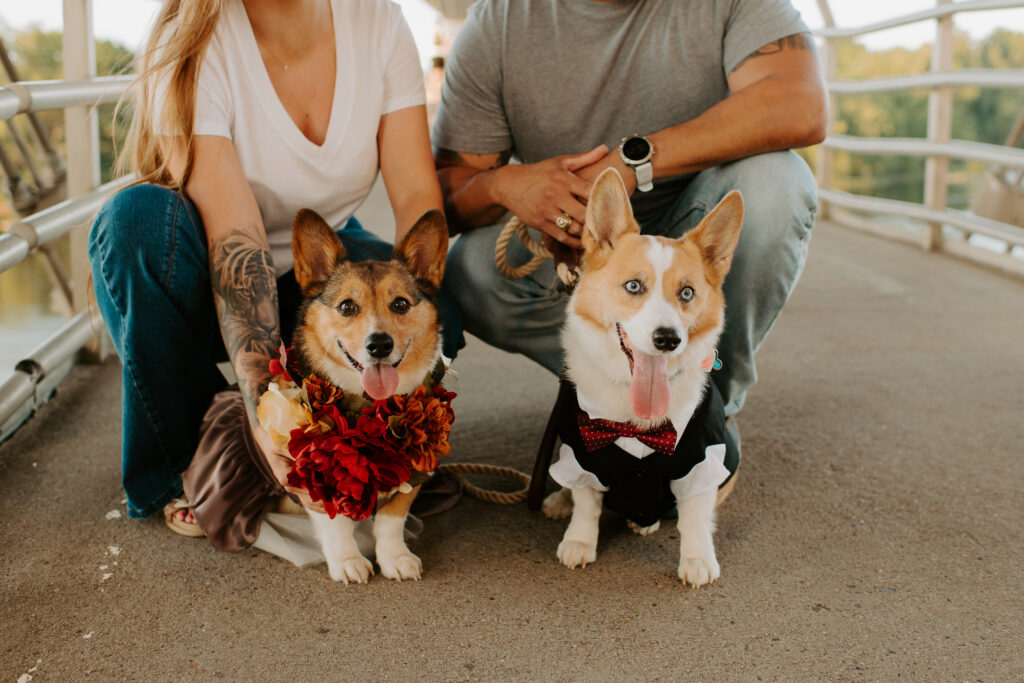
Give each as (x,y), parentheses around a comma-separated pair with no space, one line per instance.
(281,465)
(539,193)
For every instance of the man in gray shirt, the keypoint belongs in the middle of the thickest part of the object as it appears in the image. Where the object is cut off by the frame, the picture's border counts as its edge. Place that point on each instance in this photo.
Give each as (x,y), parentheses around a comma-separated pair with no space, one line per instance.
(714,88)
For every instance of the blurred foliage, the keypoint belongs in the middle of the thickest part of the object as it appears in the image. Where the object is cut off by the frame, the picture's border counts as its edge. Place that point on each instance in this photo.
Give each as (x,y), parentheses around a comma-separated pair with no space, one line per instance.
(37,56)
(26,292)
(979,114)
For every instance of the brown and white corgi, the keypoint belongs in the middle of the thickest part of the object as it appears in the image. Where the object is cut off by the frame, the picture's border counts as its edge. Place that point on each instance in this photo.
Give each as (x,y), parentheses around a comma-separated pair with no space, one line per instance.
(640,336)
(374,327)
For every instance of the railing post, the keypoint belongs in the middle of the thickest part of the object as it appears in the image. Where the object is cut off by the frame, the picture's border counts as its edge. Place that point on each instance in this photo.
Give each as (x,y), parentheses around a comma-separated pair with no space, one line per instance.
(830,65)
(940,128)
(82,134)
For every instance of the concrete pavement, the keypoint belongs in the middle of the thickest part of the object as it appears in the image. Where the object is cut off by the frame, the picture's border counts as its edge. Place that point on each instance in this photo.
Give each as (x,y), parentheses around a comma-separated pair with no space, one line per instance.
(875,531)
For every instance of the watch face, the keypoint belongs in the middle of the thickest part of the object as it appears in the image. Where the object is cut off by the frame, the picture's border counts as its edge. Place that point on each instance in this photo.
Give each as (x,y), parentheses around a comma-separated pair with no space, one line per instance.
(636,149)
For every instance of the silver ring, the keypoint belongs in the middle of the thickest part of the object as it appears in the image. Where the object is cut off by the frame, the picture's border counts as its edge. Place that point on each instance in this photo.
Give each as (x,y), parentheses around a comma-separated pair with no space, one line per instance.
(563,221)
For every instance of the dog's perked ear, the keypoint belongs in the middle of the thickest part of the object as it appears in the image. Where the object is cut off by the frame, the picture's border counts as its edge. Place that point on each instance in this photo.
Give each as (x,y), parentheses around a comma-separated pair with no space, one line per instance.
(609,213)
(317,250)
(719,232)
(423,250)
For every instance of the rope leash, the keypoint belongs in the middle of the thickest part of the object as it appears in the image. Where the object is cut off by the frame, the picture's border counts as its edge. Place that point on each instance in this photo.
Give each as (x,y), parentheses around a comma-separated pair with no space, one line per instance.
(459,469)
(516,228)
(569,277)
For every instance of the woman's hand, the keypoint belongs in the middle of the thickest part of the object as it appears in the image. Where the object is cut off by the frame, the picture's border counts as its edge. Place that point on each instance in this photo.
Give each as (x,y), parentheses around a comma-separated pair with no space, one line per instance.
(281,464)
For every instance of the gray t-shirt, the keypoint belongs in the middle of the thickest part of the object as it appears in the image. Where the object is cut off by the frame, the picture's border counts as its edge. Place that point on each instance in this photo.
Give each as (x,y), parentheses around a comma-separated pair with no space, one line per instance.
(550,77)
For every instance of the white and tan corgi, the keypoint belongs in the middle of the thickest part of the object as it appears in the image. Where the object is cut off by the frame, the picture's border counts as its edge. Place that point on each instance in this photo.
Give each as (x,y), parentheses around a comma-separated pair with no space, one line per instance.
(373,327)
(639,339)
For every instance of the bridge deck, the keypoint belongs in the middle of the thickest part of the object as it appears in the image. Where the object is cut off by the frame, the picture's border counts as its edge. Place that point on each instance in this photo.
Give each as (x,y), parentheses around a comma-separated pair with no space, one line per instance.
(875,530)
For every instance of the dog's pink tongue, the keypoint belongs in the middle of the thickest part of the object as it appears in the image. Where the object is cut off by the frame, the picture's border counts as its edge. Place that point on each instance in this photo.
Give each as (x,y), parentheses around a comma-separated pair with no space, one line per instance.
(648,390)
(380,381)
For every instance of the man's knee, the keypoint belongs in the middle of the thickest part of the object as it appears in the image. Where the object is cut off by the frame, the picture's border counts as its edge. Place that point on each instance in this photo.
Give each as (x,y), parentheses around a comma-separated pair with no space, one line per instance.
(473,280)
(468,267)
(508,313)
(779,192)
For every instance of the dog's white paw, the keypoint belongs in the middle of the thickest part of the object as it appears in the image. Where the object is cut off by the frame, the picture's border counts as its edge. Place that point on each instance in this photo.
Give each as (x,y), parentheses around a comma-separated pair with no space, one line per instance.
(575,554)
(400,566)
(699,571)
(558,505)
(350,569)
(644,530)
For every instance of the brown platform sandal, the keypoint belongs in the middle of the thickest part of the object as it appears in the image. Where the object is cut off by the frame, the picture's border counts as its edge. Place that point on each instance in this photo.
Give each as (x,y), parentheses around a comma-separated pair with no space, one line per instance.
(179,518)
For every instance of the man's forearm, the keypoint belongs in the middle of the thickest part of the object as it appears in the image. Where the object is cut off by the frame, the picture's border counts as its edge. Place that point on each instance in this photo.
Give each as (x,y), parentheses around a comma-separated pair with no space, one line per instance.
(245,295)
(471,197)
(764,117)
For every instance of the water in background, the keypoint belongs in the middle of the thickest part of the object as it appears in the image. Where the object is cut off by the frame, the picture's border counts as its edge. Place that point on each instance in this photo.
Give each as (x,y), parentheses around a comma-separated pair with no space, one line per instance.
(30,311)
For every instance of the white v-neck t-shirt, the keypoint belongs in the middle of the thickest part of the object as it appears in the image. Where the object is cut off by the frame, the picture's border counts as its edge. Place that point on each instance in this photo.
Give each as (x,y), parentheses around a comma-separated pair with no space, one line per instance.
(378,72)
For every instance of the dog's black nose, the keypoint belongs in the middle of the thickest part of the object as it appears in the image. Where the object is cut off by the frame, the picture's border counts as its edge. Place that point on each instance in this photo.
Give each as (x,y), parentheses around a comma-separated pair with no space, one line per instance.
(665,339)
(380,344)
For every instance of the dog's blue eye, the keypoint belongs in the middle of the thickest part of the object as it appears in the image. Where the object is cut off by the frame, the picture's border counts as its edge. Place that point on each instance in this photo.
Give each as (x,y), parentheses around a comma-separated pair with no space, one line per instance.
(633,286)
(400,306)
(686,293)
(348,307)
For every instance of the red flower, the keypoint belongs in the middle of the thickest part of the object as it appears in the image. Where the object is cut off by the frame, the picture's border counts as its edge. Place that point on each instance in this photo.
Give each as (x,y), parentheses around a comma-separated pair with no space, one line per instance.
(345,467)
(279,365)
(418,424)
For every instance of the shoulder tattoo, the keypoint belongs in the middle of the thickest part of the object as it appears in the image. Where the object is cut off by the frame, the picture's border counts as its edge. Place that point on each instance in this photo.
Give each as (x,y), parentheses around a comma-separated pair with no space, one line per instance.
(797,41)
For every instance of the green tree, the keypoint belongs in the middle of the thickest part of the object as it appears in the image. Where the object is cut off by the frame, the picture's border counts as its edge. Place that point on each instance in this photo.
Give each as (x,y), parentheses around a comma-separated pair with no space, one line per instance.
(37,56)
(979,114)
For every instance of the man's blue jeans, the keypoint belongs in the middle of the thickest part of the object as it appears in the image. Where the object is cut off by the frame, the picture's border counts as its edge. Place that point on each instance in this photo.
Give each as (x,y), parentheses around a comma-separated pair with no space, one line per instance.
(780,198)
(152,279)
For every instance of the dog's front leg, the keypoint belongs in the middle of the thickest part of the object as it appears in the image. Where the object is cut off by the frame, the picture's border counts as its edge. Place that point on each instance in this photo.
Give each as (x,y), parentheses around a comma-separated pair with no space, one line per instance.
(697,563)
(579,544)
(394,557)
(338,541)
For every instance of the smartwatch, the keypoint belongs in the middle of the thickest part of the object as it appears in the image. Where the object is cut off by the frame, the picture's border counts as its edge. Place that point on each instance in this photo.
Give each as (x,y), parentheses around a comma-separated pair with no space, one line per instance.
(636,152)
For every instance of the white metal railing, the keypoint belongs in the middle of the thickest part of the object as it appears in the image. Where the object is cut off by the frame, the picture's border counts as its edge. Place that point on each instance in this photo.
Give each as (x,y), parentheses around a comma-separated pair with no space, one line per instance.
(964,78)
(38,374)
(19,98)
(937,148)
(30,232)
(35,377)
(915,147)
(942,10)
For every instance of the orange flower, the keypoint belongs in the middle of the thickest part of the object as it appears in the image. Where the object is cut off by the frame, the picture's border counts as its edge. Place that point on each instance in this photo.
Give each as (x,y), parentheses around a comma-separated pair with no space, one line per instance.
(321,393)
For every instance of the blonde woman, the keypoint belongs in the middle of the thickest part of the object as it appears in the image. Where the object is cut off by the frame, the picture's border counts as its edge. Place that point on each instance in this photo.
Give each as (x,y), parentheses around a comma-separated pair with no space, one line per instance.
(247,111)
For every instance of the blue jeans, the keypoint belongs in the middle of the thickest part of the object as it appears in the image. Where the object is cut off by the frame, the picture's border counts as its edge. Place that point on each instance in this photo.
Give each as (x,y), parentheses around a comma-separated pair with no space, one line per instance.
(779,193)
(152,278)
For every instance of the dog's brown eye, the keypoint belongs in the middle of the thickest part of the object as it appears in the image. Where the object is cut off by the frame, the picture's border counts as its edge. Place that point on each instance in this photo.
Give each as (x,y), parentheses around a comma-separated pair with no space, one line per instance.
(400,306)
(686,293)
(633,286)
(348,307)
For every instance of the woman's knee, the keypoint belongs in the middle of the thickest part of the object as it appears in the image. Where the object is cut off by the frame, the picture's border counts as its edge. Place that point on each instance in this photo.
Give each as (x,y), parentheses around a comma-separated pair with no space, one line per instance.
(143,226)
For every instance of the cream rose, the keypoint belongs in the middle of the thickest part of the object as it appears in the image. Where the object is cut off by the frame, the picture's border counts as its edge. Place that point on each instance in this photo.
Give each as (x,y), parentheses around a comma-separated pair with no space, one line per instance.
(281,410)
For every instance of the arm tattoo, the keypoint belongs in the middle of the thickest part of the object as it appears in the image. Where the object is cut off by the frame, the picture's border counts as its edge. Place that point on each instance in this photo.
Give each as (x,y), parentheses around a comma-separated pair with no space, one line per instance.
(502,159)
(245,295)
(797,41)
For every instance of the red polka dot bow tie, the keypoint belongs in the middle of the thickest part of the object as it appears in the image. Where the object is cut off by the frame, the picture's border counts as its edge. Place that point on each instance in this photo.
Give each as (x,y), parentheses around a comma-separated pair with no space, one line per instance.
(598,433)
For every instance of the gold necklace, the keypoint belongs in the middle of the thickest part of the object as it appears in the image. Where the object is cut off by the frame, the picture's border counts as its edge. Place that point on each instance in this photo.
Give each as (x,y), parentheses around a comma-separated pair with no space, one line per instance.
(283,62)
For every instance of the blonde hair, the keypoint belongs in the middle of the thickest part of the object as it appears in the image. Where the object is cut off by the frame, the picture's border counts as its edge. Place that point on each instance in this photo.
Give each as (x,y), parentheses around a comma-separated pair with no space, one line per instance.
(169,66)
